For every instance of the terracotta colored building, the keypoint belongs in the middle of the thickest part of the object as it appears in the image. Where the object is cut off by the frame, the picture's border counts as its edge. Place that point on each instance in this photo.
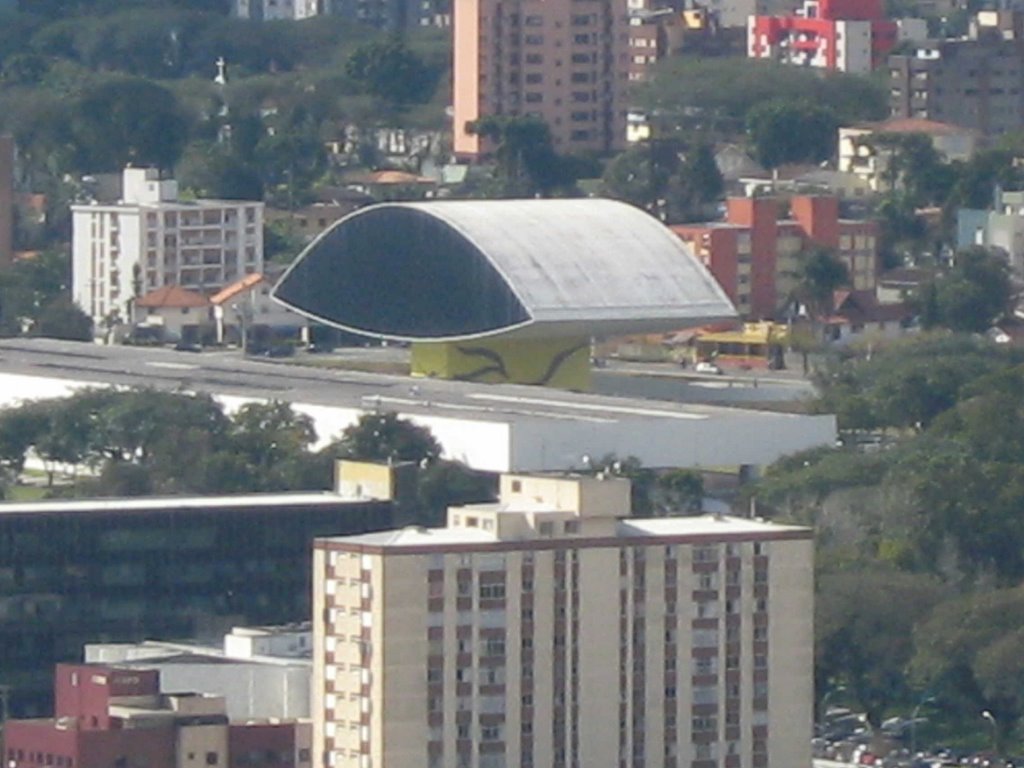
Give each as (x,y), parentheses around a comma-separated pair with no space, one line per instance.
(564,61)
(754,254)
(111,717)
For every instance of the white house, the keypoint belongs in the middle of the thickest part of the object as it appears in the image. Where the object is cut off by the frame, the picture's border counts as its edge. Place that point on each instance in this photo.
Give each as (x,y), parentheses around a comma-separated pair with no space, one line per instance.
(150,239)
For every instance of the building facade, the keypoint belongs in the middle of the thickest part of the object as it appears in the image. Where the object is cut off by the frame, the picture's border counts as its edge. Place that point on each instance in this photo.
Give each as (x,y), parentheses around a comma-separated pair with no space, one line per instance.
(122,570)
(1001,227)
(754,254)
(563,61)
(843,35)
(150,239)
(383,14)
(276,10)
(972,83)
(549,629)
(261,672)
(860,155)
(111,716)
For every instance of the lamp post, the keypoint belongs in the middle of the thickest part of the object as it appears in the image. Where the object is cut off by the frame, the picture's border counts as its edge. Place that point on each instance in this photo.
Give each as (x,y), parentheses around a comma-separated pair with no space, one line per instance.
(995,730)
(926,699)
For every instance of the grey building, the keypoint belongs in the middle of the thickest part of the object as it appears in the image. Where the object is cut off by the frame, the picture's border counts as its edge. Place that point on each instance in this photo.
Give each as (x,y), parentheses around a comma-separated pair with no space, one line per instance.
(383,14)
(262,672)
(974,83)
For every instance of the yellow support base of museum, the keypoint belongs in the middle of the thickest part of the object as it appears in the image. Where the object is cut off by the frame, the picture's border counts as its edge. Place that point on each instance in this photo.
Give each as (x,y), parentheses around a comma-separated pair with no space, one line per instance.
(562,363)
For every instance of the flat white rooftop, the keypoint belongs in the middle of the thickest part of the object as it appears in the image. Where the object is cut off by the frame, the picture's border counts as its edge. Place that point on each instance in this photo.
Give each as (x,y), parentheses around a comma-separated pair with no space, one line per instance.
(704,526)
(165,503)
(491,427)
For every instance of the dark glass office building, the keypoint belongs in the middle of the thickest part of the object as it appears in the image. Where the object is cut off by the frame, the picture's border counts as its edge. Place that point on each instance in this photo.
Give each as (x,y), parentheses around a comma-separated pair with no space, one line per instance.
(106,570)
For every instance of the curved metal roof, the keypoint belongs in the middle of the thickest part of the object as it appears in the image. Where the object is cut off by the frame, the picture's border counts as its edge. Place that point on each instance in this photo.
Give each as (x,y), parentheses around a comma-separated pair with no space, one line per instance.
(463,269)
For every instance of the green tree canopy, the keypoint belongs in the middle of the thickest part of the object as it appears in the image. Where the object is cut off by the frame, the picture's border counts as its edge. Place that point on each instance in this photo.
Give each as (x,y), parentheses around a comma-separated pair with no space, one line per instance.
(391,71)
(865,619)
(974,293)
(791,132)
(526,162)
(384,437)
(124,121)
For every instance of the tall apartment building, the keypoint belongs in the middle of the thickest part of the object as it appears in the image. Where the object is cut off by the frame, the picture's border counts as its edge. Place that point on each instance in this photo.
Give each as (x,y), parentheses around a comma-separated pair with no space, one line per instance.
(564,61)
(974,83)
(549,629)
(754,255)
(150,238)
(844,35)
(6,200)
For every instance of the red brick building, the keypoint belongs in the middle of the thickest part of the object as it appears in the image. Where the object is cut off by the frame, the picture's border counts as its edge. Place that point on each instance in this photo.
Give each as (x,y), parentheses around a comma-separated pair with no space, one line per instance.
(111,717)
(754,254)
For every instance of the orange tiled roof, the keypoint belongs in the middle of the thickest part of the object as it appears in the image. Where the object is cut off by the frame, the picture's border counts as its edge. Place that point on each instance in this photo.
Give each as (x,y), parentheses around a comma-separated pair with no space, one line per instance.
(915,125)
(172,296)
(239,286)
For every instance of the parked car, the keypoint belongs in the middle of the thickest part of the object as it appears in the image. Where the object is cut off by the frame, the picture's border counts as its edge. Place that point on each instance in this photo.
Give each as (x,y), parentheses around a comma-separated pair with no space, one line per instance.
(706,366)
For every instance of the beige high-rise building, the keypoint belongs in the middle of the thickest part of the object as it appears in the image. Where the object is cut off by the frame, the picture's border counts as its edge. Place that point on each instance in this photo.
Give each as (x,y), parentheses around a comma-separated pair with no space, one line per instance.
(564,61)
(549,629)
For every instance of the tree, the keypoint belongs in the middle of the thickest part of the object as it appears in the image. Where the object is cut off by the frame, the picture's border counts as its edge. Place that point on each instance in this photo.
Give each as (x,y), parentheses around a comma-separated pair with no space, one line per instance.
(819,275)
(212,171)
(391,71)
(971,648)
(526,162)
(61,318)
(273,441)
(681,491)
(127,120)
(385,437)
(791,132)
(444,484)
(20,429)
(693,98)
(655,178)
(975,292)
(864,622)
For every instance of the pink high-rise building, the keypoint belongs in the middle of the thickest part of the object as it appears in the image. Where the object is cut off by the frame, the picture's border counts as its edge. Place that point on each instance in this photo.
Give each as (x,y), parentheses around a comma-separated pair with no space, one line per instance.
(564,61)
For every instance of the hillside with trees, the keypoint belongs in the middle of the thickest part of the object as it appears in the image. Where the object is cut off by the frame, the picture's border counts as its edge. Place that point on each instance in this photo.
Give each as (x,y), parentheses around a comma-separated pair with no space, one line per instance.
(919,531)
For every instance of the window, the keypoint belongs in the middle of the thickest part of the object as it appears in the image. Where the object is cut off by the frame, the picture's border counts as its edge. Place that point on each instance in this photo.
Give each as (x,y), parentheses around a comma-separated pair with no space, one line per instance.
(572,526)
(534,78)
(534,39)
(535,98)
(535,21)
(492,591)
(545,529)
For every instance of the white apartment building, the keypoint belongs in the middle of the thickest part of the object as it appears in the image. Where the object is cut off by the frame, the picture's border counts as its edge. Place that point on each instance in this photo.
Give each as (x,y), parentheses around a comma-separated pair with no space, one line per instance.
(549,629)
(276,10)
(150,238)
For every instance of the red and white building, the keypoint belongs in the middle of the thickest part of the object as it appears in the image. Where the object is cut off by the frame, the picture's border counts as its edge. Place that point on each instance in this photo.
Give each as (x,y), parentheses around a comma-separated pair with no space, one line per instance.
(755,253)
(843,35)
(116,717)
